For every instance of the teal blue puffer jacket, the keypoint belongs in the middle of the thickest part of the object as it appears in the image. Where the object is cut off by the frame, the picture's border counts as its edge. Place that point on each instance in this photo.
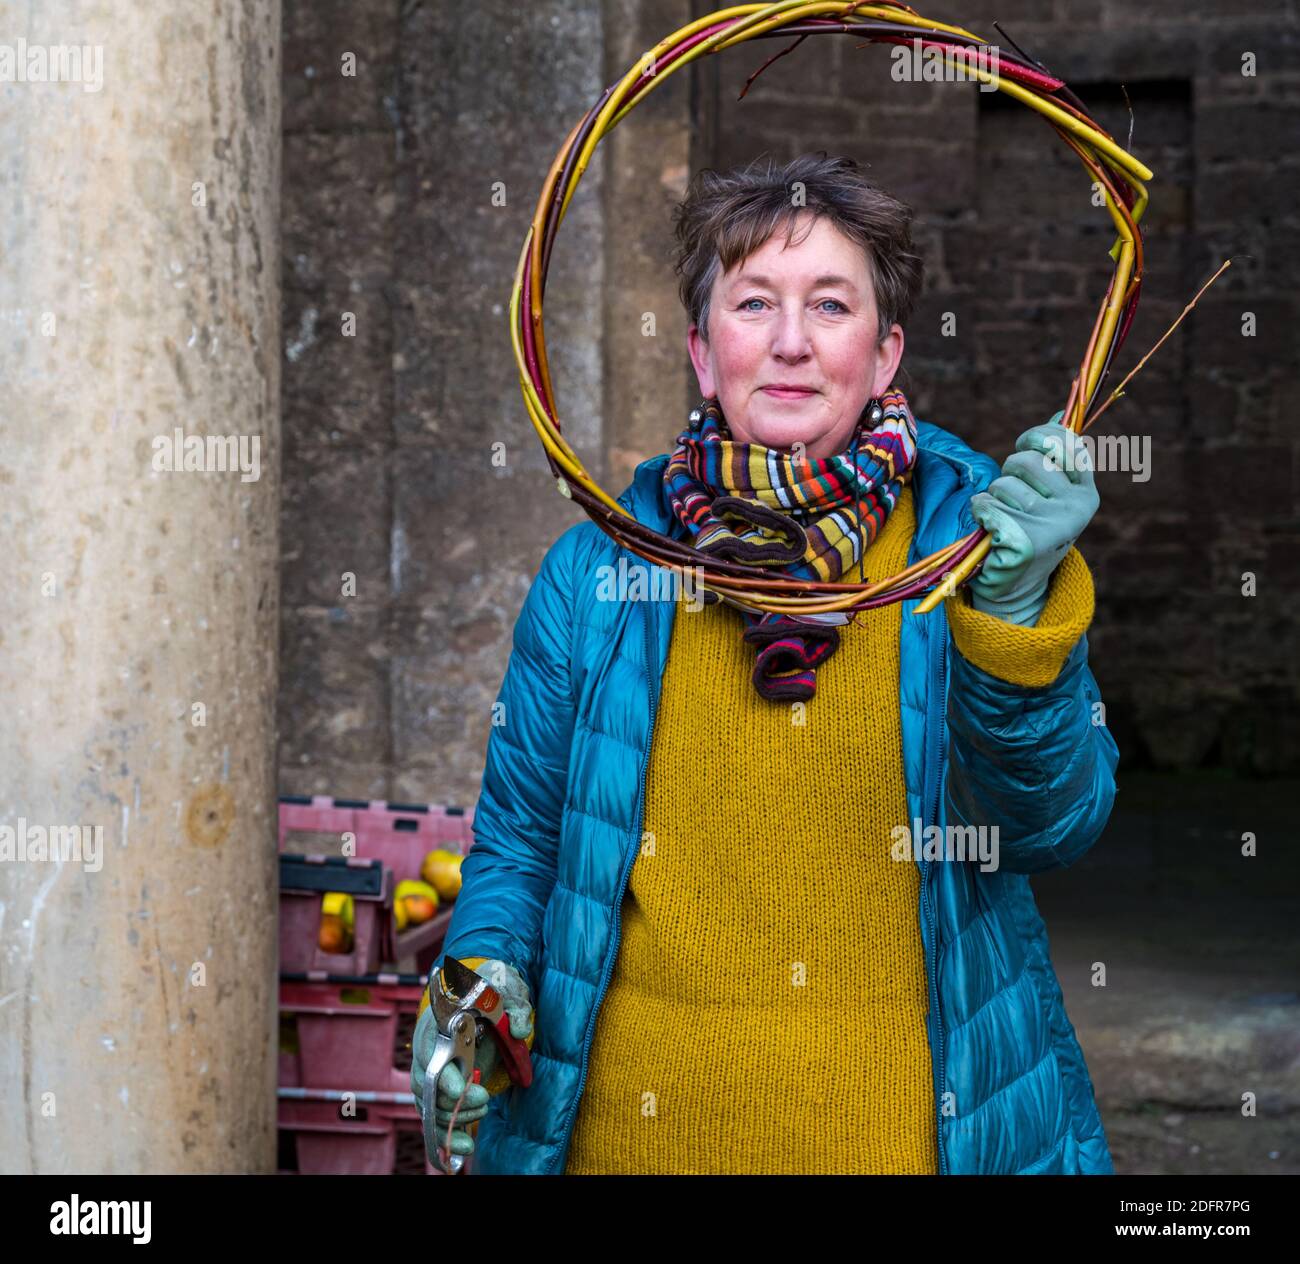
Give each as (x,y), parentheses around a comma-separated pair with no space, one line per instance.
(558,823)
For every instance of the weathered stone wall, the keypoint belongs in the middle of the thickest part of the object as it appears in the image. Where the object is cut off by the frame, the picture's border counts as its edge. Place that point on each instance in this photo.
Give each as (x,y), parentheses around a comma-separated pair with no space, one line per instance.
(409,187)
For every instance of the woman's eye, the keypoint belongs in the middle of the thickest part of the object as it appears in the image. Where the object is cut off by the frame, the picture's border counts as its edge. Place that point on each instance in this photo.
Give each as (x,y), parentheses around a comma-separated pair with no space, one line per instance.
(745,306)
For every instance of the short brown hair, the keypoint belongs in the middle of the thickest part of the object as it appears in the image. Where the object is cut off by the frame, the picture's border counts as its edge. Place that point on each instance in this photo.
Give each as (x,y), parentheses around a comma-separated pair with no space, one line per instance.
(726,216)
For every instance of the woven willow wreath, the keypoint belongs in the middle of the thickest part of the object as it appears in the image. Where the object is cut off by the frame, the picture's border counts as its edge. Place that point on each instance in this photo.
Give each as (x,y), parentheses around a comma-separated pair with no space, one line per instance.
(1114,170)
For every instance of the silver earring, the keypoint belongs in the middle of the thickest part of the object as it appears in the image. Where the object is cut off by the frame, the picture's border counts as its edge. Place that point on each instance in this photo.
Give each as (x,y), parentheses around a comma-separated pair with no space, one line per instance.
(876,412)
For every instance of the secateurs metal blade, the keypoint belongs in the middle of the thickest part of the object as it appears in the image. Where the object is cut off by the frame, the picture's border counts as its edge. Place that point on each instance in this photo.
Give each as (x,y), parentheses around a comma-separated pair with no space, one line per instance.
(466,1008)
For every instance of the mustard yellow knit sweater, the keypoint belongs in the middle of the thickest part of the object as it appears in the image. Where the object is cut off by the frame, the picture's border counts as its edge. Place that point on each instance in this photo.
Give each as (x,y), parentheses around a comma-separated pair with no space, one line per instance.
(766,1010)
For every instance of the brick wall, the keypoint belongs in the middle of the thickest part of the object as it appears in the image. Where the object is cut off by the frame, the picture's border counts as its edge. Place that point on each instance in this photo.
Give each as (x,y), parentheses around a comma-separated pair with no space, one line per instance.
(1194,672)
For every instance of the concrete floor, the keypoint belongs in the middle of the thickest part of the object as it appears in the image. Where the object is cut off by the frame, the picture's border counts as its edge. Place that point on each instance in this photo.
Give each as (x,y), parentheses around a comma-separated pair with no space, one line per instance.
(1202,953)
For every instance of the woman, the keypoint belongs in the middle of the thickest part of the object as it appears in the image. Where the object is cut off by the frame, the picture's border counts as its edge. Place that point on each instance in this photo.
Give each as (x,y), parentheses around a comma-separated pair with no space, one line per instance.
(716,849)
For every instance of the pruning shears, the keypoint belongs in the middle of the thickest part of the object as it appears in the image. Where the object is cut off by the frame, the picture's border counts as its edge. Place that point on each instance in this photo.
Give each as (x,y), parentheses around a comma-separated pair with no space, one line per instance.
(466,1008)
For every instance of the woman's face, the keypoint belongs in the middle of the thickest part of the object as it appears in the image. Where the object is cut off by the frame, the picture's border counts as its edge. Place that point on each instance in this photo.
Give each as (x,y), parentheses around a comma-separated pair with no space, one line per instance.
(801,316)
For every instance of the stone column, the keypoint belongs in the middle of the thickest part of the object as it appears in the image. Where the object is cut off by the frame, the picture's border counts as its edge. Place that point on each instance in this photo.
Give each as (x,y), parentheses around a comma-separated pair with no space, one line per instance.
(139,319)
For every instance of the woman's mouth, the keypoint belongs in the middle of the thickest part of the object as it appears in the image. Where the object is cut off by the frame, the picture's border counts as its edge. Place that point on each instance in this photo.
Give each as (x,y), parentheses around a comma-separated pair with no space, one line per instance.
(788,392)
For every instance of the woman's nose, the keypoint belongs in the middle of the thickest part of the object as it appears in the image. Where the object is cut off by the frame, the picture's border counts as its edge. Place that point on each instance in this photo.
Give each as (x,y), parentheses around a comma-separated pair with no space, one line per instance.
(790,338)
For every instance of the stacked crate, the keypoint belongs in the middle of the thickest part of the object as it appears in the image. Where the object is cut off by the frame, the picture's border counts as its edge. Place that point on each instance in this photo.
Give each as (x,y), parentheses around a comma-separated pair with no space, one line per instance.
(347,1020)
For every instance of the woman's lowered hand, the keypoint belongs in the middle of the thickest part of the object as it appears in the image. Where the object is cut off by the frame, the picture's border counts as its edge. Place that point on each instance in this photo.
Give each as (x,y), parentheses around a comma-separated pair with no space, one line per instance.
(451,1084)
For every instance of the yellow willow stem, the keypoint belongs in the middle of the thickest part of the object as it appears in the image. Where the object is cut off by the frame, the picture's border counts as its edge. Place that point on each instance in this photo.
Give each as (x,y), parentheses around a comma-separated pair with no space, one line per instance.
(1119,390)
(1118,297)
(551,439)
(1074,408)
(955,577)
(767,17)
(1059,116)
(1103,150)
(535,268)
(754,18)
(1137,210)
(604,120)
(760,21)
(806,605)
(818,605)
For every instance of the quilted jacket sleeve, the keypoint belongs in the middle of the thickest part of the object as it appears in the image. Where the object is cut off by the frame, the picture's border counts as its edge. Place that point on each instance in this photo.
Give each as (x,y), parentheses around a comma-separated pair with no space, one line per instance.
(508,875)
(1028,752)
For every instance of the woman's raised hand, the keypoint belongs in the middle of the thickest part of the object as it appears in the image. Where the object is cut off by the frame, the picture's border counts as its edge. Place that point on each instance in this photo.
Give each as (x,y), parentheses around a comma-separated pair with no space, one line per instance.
(1035,510)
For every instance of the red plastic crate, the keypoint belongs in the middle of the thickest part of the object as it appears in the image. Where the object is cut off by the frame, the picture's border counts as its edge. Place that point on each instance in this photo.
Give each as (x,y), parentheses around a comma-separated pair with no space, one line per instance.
(350,1036)
(289,1074)
(398,834)
(317,816)
(300,931)
(383,1140)
(403,839)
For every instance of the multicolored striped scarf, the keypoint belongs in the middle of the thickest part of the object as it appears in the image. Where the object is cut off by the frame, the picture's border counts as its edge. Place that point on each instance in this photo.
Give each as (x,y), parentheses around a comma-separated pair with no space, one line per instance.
(811,518)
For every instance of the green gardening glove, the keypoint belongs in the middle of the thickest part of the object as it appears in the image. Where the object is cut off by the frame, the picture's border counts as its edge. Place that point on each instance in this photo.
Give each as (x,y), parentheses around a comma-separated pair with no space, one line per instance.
(1035,510)
(507,980)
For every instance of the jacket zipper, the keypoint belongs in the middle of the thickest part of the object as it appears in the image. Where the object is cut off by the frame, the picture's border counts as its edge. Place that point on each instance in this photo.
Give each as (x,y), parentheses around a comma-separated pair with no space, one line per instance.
(964,477)
(925,902)
(635,848)
(618,910)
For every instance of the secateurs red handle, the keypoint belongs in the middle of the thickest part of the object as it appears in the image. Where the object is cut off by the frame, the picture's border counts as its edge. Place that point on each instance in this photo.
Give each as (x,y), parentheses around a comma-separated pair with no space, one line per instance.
(514,1053)
(466,1006)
